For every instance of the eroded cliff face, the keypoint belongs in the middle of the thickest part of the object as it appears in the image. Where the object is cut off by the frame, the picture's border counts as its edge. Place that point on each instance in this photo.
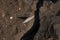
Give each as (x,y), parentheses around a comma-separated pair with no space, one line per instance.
(49,22)
(14,12)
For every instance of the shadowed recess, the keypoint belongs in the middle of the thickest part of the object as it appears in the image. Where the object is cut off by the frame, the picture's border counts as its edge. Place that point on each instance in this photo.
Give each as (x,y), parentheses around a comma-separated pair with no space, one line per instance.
(54,1)
(58,14)
(30,34)
(23,17)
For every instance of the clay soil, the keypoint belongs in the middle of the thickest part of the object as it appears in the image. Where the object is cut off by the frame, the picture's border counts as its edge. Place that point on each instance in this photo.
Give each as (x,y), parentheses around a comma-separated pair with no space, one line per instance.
(12,14)
(11,26)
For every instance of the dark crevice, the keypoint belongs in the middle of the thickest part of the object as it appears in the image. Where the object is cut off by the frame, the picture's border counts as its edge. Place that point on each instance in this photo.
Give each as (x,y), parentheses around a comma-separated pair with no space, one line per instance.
(58,14)
(30,34)
(24,18)
(54,1)
(53,33)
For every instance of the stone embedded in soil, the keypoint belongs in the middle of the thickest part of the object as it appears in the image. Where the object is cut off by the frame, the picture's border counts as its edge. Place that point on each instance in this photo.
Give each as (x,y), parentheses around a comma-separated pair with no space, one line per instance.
(9,12)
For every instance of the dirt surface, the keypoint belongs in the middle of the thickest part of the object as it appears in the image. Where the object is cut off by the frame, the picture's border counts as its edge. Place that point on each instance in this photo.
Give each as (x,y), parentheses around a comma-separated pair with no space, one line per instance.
(11,26)
(14,12)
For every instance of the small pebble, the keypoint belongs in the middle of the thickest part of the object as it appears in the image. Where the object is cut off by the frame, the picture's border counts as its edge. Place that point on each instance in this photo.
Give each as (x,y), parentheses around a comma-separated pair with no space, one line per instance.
(11,17)
(19,8)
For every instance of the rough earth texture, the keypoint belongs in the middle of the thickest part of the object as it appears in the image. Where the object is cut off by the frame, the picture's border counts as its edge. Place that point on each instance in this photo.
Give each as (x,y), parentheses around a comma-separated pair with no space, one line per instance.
(14,12)
(11,26)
